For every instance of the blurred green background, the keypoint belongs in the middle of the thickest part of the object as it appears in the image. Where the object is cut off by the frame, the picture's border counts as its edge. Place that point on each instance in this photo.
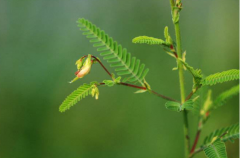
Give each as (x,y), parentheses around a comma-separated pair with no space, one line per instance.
(39,44)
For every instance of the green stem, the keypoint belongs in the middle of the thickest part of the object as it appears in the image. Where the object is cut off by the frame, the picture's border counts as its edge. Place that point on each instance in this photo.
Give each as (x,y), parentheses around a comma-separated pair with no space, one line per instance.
(181,76)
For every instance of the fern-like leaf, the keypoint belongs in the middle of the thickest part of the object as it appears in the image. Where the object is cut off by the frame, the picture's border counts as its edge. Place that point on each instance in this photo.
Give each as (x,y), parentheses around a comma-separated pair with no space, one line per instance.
(216,150)
(114,53)
(221,77)
(148,40)
(82,92)
(223,97)
(224,134)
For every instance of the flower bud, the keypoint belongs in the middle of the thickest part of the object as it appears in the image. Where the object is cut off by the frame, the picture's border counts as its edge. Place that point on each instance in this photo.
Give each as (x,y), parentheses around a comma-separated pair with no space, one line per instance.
(79,63)
(95,91)
(96,94)
(85,69)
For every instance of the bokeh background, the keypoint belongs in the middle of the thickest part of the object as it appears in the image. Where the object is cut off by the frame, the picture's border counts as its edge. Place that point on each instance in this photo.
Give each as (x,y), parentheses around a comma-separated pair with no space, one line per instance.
(39,44)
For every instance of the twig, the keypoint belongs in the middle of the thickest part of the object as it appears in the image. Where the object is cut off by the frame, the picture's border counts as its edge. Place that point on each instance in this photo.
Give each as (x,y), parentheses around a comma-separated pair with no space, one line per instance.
(190,95)
(195,141)
(130,85)
(164,97)
(196,151)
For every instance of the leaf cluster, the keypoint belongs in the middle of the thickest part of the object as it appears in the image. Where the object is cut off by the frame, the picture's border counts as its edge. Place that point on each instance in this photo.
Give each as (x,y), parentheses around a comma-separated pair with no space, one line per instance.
(221,77)
(114,53)
(214,146)
(77,95)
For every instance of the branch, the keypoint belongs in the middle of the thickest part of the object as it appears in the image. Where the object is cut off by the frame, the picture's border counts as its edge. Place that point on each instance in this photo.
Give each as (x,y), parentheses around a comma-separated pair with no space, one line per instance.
(196,151)
(190,95)
(144,88)
(102,66)
(130,85)
(202,148)
(195,141)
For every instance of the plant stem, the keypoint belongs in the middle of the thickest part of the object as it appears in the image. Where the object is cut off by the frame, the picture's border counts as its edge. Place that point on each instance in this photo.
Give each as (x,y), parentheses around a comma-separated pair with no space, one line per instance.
(202,147)
(144,88)
(195,141)
(181,76)
(182,88)
(191,94)
(162,96)
(180,66)
(200,125)
(130,85)
(195,152)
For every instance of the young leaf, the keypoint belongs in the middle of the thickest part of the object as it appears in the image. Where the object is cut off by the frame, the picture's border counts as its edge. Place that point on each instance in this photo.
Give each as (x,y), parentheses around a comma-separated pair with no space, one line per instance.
(109,83)
(216,150)
(168,38)
(221,77)
(83,91)
(174,106)
(114,53)
(207,104)
(224,134)
(223,97)
(201,96)
(148,40)
(118,79)
(188,105)
(196,73)
(166,34)
(141,91)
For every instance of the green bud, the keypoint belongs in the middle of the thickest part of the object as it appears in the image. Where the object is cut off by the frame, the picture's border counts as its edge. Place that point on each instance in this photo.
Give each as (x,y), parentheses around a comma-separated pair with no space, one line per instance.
(79,63)
(166,32)
(95,91)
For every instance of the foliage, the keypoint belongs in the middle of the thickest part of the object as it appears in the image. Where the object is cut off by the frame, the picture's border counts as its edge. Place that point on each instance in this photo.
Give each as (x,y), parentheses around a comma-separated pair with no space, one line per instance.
(221,77)
(148,40)
(82,92)
(223,97)
(111,83)
(155,41)
(207,105)
(125,64)
(224,134)
(175,106)
(114,53)
(216,150)
(196,73)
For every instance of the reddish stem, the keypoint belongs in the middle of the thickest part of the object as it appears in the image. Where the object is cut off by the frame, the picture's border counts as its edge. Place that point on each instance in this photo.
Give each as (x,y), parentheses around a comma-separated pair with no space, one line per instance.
(164,97)
(102,66)
(190,95)
(130,85)
(195,141)
(134,86)
(173,50)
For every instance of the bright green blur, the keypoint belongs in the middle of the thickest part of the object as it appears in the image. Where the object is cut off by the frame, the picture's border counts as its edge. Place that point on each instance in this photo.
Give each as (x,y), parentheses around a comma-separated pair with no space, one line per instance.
(40,43)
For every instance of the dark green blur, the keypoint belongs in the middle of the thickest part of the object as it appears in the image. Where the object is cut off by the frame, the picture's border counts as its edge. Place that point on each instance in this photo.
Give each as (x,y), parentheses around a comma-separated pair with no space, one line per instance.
(39,44)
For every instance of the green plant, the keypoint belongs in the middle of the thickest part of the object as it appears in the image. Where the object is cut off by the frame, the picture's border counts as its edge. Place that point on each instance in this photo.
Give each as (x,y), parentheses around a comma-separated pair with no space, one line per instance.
(134,72)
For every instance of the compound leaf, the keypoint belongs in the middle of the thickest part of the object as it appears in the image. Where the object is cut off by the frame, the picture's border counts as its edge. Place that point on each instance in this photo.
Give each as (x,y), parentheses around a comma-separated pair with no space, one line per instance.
(224,134)
(221,77)
(216,150)
(82,92)
(223,97)
(114,53)
(148,40)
